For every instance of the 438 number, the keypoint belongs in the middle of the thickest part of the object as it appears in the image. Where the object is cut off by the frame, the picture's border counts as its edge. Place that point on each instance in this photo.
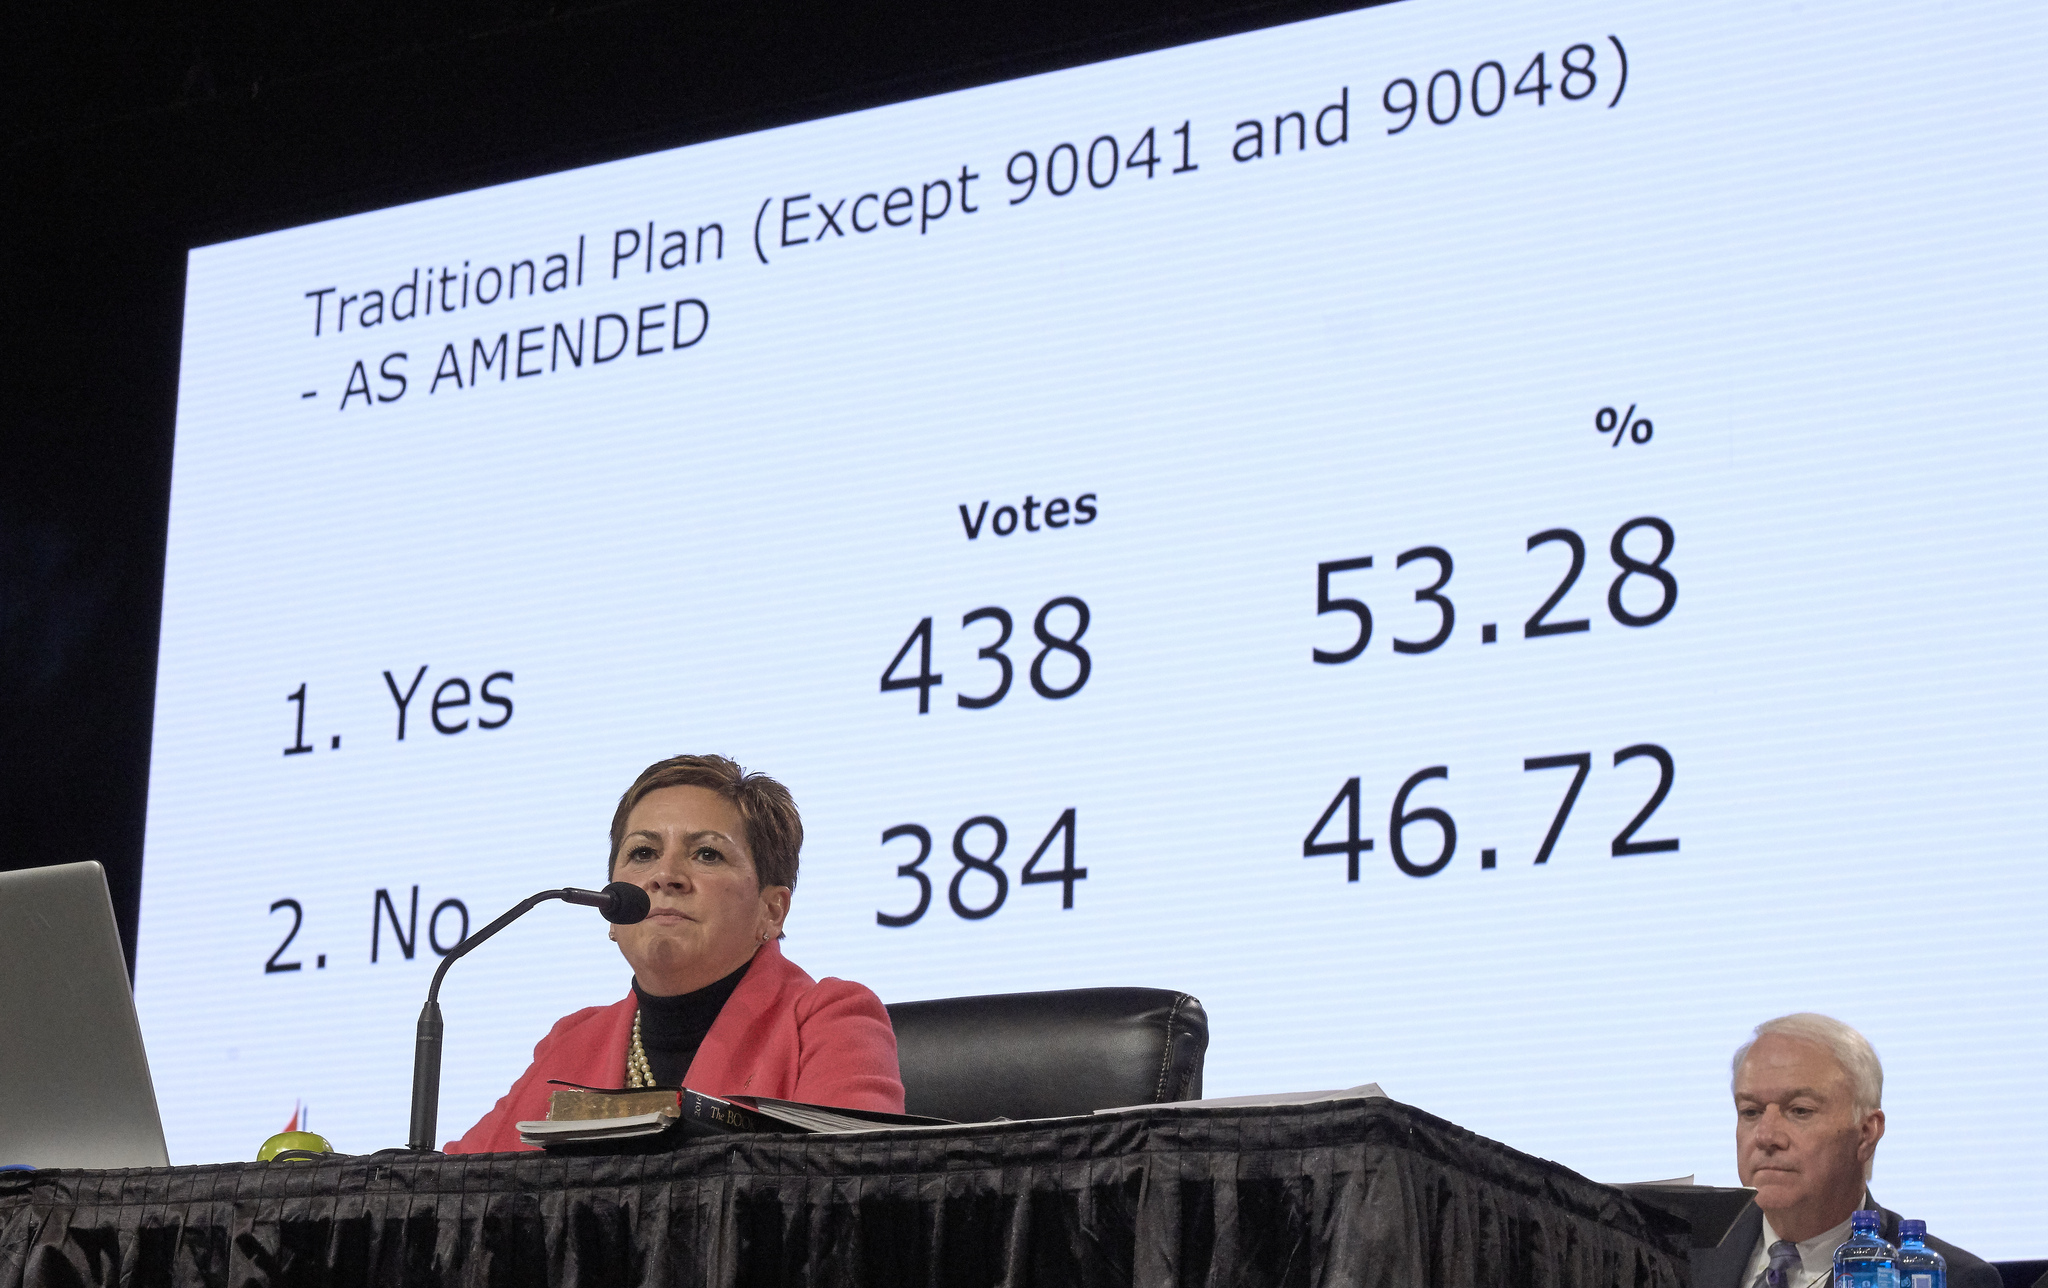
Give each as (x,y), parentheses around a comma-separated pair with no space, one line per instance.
(1059,626)
(983,832)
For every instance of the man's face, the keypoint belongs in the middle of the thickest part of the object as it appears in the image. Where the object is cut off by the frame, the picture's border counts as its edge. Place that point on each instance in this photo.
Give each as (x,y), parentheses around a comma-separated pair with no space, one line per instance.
(1798,1138)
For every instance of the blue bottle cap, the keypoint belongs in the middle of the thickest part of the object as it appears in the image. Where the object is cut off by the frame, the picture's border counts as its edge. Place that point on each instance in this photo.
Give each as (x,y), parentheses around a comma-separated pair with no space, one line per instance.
(1866,1220)
(1912,1229)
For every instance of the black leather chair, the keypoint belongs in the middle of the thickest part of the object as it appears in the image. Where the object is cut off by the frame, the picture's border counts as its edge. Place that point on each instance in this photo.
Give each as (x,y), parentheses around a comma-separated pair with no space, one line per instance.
(2023,1274)
(1047,1055)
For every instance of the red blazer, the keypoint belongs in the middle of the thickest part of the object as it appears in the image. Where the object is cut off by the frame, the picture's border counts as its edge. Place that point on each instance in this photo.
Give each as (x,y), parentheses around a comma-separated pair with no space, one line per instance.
(781,1034)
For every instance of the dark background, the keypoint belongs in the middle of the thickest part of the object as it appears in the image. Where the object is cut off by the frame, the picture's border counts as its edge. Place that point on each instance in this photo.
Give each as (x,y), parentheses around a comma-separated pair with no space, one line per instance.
(132,133)
(135,132)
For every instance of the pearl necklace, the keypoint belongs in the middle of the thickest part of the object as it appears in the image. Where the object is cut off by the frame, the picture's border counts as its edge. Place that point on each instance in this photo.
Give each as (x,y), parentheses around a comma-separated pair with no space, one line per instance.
(638,1074)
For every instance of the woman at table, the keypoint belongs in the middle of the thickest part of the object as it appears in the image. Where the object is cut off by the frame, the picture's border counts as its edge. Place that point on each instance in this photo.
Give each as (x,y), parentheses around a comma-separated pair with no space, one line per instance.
(715,1006)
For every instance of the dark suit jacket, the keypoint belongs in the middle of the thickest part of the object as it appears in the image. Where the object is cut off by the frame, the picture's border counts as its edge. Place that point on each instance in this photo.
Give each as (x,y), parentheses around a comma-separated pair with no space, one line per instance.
(1722,1267)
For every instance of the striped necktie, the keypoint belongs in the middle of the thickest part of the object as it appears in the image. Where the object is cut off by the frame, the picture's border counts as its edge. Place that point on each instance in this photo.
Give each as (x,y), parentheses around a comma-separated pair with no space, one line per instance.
(1784,1260)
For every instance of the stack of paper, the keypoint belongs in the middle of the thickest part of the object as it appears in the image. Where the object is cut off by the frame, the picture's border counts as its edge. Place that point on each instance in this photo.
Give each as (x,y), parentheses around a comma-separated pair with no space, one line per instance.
(1364,1091)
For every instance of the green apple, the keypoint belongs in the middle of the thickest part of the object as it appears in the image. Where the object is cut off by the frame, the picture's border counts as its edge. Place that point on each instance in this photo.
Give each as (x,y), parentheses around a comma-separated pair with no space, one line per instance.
(285,1140)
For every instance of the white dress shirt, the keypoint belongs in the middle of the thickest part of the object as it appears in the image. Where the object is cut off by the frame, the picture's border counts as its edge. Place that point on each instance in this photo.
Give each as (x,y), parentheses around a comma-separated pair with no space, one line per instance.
(1817,1255)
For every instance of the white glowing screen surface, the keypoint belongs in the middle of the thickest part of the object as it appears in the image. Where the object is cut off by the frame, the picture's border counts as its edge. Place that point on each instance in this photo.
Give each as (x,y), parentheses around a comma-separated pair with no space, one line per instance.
(1197,333)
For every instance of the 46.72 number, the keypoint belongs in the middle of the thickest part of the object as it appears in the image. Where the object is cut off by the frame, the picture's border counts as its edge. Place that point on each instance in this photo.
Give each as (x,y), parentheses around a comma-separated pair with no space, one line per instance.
(1402,816)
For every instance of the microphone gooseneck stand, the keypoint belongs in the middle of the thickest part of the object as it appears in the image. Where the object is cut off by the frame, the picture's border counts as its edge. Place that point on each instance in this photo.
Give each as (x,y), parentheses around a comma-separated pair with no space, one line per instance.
(621,903)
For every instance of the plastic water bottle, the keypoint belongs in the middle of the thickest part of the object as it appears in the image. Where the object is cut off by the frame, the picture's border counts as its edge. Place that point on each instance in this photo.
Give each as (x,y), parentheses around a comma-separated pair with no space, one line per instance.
(1866,1260)
(1919,1265)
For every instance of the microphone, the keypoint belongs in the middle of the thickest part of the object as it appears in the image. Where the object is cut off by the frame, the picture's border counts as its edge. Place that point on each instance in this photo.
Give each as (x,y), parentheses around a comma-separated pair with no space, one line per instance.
(620,903)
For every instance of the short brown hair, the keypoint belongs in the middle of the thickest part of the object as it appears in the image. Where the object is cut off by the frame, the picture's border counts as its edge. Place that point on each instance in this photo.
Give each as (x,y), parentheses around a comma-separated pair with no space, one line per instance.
(774,831)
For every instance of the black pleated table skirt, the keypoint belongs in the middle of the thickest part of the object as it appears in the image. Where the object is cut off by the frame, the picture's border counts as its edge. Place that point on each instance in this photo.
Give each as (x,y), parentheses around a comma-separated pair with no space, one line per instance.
(1361,1192)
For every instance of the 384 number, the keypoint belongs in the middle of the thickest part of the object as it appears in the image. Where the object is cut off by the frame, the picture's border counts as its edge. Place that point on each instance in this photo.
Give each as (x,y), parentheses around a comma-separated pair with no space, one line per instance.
(983,831)
(1059,626)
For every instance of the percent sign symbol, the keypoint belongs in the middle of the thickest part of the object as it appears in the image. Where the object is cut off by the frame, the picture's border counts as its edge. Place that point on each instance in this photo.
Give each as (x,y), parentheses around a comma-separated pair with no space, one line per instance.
(1623,426)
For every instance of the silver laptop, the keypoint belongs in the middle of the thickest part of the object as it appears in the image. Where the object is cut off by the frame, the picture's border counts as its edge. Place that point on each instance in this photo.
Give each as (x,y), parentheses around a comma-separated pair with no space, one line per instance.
(74,1082)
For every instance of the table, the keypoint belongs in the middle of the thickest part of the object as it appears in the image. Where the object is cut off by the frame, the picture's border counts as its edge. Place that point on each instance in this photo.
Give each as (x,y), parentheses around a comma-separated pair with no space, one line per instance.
(1366,1192)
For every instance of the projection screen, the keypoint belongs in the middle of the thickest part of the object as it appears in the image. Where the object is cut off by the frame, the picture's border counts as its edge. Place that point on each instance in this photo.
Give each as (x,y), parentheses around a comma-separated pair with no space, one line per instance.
(1497,545)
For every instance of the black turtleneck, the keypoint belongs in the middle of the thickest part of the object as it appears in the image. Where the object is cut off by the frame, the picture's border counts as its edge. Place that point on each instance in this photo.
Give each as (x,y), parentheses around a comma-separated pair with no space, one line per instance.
(672,1028)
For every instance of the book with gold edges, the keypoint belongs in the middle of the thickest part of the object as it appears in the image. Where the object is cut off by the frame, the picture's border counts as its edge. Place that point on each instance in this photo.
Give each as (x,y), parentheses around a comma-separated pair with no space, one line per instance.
(573,1102)
(636,1120)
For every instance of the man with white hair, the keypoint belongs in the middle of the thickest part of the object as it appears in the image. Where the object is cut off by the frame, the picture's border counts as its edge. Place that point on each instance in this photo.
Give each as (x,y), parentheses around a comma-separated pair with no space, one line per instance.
(1808,1115)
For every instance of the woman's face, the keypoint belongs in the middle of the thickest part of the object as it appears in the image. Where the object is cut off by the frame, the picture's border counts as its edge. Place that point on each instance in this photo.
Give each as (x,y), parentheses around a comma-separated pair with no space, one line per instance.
(686,847)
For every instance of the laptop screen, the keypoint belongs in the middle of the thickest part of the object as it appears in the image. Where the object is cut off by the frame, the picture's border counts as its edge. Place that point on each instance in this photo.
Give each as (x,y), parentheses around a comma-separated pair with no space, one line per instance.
(73,1074)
